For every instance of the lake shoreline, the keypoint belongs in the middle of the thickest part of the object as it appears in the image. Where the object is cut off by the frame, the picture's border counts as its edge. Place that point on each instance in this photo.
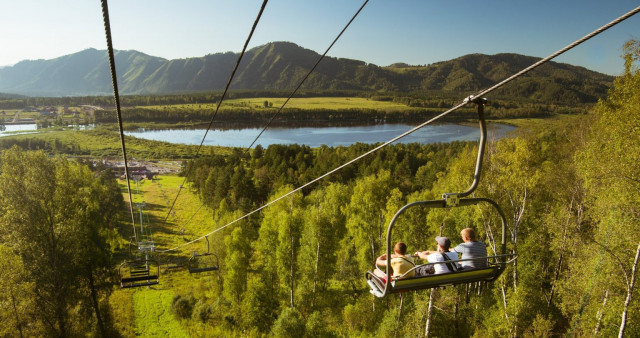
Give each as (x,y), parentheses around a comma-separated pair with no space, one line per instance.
(319,136)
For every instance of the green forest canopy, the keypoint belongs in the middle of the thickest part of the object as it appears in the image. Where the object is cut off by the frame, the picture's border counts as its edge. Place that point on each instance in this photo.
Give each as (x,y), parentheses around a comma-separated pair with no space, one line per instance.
(571,190)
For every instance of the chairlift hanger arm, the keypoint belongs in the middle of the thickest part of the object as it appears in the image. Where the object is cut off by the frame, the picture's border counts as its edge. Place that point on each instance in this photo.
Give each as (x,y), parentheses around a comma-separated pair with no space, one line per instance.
(452,198)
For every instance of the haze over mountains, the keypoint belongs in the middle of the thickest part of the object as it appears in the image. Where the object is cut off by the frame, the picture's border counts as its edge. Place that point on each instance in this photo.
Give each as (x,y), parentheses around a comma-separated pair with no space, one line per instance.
(281,65)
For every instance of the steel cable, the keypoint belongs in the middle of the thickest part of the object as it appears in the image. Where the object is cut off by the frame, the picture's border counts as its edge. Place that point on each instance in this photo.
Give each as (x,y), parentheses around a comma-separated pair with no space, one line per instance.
(114,81)
(296,89)
(226,89)
(308,74)
(459,105)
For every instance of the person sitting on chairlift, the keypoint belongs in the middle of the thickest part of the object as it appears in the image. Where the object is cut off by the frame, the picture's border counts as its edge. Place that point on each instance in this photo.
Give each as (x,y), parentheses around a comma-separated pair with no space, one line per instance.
(471,249)
(400,262)
(441,255)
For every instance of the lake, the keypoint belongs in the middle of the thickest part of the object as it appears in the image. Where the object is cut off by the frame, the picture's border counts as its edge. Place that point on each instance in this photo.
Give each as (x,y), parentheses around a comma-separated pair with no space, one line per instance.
(16,129)
(317,136)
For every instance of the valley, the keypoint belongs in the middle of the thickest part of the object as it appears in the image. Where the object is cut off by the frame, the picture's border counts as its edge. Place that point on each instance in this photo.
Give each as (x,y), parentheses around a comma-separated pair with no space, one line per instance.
(295,268)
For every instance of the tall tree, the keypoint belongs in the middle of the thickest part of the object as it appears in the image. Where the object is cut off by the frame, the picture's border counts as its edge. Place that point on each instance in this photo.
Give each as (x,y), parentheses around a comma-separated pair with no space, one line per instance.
(236,264)
(287,250)
(366,215)
(610,165)
(56,216)
(277,247)
(324,227)
(42,239)
(16,295)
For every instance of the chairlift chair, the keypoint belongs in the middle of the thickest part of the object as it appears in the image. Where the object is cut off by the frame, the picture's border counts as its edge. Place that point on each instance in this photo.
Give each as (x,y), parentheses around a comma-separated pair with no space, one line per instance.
(204,262)
(495,264)
(142,272)
(139,272)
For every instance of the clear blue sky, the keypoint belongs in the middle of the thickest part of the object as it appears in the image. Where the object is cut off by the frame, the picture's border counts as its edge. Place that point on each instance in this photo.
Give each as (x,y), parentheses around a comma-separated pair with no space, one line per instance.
(387,31)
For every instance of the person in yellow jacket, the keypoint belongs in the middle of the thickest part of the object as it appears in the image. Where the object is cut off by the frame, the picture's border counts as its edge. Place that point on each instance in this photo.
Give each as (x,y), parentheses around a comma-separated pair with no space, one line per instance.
(400,262)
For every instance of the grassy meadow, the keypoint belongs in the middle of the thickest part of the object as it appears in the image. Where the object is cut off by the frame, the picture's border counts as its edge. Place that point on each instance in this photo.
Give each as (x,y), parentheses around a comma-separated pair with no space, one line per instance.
(333,103)
(146,312)
(152,315)
(158,195)
(103,142)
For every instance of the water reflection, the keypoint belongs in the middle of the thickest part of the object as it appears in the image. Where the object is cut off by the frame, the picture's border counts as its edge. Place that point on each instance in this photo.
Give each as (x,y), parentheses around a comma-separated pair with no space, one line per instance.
(317,136)
(17,129)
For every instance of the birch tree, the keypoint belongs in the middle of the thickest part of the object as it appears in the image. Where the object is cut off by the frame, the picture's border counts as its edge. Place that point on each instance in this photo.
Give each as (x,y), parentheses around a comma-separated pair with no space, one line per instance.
(610,166)
(58,217)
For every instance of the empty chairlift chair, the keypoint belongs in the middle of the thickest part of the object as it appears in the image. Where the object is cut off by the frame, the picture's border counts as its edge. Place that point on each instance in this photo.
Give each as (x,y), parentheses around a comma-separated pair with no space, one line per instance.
(204,262)
(140,272)
(143,272)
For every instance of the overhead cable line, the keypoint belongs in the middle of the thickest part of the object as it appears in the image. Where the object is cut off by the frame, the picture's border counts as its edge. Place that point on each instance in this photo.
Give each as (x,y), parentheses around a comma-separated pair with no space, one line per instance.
(308,74)
(295,90)
(224,93)
(116,95)
(459,105)
(192,216)
(560,51)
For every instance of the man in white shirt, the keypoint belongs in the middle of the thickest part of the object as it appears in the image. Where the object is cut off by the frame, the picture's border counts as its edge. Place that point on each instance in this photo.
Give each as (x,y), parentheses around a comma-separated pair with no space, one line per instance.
(441,255)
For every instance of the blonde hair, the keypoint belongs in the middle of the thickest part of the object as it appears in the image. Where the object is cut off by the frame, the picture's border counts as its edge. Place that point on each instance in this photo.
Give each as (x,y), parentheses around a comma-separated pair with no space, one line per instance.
(468,233)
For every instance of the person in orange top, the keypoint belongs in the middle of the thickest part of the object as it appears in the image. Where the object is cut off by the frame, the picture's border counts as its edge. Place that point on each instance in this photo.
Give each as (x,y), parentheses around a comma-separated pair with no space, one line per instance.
(400,262)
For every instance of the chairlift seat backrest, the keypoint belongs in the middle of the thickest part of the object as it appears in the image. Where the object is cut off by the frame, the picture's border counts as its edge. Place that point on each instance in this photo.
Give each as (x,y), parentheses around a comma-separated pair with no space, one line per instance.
(139,273)
(197,265)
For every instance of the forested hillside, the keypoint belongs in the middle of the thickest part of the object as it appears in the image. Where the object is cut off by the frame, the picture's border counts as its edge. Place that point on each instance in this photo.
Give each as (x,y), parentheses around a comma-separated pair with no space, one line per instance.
(301,261)
(569,187)
(278,66)
(58,225)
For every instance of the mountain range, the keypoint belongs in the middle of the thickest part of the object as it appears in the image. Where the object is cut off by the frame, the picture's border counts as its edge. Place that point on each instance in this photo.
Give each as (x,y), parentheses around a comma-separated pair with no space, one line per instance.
(281,65)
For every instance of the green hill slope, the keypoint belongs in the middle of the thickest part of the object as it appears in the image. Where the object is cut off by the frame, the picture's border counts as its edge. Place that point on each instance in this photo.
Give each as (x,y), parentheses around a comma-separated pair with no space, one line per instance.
(281,65)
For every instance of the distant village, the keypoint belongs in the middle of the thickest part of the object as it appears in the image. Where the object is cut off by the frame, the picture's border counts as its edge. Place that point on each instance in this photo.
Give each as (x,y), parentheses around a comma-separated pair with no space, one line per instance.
(140,170)
(44,112)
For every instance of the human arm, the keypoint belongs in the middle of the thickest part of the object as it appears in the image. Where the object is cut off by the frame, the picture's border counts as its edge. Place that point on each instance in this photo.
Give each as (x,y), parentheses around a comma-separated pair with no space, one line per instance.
(459,248)
(424,254)
(381,260)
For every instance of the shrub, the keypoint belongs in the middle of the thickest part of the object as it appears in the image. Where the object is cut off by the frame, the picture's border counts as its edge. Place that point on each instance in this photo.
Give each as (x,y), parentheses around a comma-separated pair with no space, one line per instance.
(288,324)
(182,306)
(202,311)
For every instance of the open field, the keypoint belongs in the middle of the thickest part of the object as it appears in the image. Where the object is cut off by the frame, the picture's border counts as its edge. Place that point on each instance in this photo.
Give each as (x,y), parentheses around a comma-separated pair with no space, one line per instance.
(148,310)
(103,142)
(10,113)
(334,103)
(158,195)
(152,315)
